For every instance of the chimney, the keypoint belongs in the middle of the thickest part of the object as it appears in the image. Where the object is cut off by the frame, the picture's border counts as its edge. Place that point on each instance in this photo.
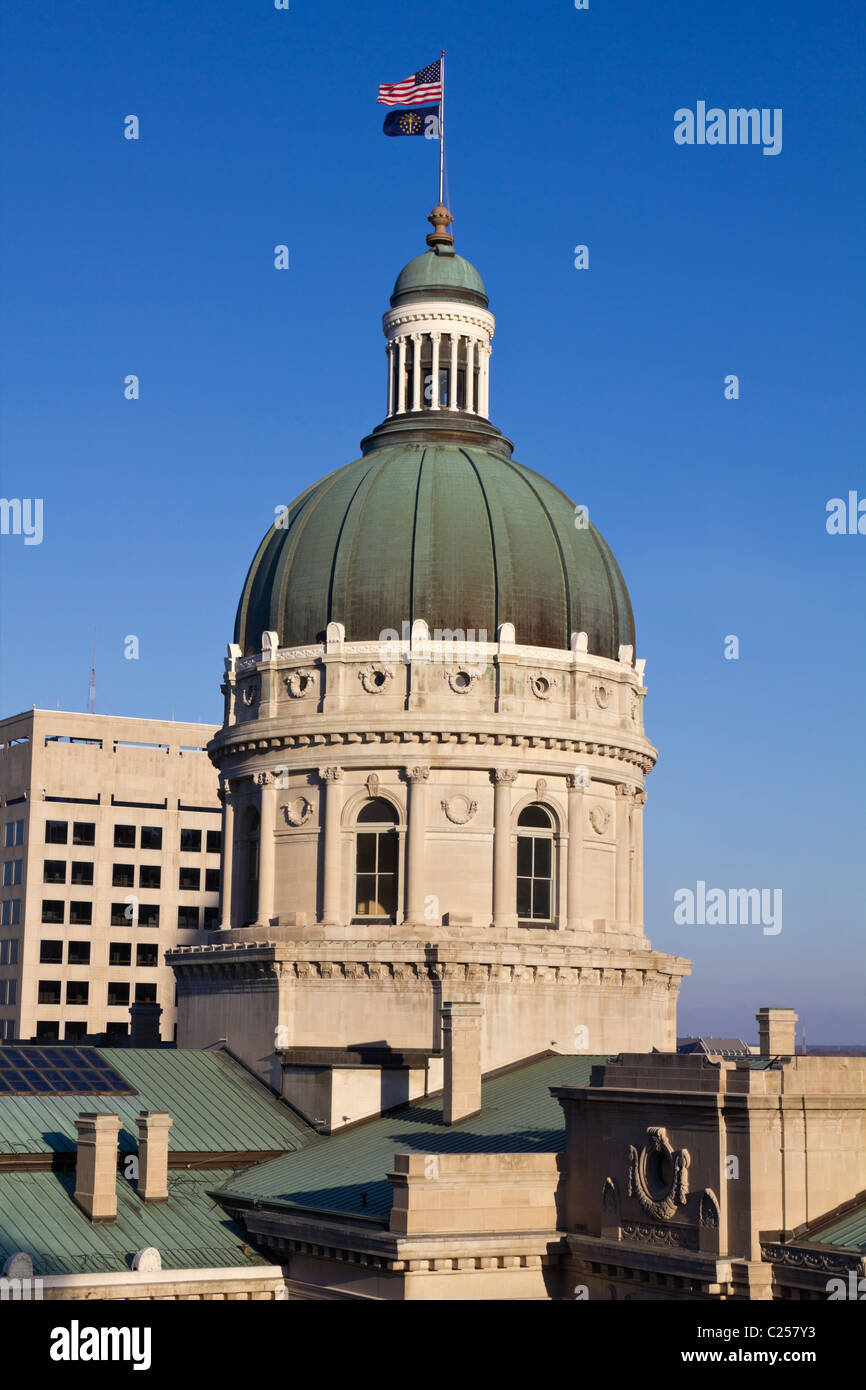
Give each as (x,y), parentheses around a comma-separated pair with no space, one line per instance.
(96,1166)
(153,1130)
(144,1025)
(777,1032)
(461,1037)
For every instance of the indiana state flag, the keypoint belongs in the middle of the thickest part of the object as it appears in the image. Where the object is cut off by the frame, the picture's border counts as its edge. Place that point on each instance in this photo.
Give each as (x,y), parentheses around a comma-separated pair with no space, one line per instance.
(422,120)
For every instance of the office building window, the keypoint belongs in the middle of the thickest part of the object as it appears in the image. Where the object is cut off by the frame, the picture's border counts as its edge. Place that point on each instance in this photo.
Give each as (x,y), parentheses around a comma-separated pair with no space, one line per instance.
(123,876)
(78,953)
(119,953)
(49,992)
(148,915)
(212,880)
(50,952)
(189,880)
(118,993)
(124,837)
(56,832)
(147,955)
(77,991)
(12,872)
(14,832)
(122,914)
(145,994)
(80,914)
(149,876)
(151,837)
(190,841)
(84,832)
(187,917)
(214,841)
(53,910)
(81,871)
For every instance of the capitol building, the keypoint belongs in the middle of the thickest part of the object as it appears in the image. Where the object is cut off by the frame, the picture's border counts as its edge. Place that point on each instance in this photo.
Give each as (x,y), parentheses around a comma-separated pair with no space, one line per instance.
(433,756)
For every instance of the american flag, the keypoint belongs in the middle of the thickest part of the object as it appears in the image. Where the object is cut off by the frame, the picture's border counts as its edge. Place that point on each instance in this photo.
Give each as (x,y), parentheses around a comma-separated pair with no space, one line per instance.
(422,86)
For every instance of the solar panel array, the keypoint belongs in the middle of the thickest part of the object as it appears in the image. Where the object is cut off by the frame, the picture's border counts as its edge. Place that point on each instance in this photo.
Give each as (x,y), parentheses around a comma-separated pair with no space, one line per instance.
(44,1071)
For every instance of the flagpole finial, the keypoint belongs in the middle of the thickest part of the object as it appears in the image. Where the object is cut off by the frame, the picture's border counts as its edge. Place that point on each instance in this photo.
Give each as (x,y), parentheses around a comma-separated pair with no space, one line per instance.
(441,219)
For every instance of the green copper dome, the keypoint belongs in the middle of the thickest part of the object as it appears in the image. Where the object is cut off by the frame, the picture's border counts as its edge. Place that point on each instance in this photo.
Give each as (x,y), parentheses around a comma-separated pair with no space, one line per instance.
(455,534)
(439,274)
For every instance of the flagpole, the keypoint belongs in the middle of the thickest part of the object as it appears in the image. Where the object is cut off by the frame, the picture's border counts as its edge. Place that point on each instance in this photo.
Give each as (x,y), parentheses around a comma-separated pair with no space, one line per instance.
(442,126)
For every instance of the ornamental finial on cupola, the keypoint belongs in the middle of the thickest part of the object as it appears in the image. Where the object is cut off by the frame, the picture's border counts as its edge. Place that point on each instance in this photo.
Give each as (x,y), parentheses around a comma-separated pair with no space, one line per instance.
(441,219)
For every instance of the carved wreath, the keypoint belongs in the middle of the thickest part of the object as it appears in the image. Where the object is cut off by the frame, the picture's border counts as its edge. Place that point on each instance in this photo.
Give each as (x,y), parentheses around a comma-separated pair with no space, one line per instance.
(658,1176)
(375,679)
(541,684)
(299,684)
(459,809)
(460,680)
(603,694)
(298,812)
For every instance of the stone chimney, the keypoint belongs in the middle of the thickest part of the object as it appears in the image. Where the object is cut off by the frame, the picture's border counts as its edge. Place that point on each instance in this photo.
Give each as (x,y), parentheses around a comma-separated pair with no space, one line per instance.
(144,1025)
(96,1165)
(153,1155)
(461,1037)
(777,1032)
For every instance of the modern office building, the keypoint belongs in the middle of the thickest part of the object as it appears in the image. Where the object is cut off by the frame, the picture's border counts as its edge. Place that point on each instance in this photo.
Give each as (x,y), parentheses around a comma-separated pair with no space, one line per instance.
(109,854)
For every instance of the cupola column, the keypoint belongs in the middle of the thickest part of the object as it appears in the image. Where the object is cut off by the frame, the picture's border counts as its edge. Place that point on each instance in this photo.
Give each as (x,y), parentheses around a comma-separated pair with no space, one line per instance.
(624,798)
(434,384)
(504,889)
(401,375)
(469,391)
(331,888)
(227,859)
(484,380)
(266,782)
(637,859)
(452,380)
(389,353)
(416,371)
(415,850)
(574,868)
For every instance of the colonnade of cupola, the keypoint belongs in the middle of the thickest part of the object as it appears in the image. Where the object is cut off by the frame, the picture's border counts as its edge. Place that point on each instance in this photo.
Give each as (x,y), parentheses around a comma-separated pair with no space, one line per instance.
(443,365)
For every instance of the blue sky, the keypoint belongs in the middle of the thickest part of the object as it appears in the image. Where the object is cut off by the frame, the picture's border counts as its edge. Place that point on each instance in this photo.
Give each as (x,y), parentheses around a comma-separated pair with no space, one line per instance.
(261,127)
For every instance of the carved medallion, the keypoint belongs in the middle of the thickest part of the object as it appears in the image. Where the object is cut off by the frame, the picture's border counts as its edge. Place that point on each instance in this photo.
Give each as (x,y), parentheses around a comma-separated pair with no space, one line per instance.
(376,679)
(658,1176)
(297,812)
(541,684)
(299,683)
(460,679)
(599,819)
(250,693)
(459,809)
(603,694)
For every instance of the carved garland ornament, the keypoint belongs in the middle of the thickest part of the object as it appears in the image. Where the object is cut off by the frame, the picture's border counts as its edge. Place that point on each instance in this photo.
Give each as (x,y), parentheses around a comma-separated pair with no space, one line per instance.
(299,683)
(460,679)
(658,1176)
(459,809)
(297,812)
(541,684)
(603,694)
(250,693)
(375,679)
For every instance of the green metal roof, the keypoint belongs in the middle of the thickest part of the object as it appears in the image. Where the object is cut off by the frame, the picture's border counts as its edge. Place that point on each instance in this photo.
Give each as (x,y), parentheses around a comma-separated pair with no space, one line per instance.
(518,1115)
(848,1230)
(216,1107)
(190,1230)
(459,536)
(439,273)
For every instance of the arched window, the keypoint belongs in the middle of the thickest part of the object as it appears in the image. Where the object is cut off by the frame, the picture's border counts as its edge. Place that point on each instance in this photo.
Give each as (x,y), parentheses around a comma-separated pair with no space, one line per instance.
(376,848)
(250,867)
(534,865)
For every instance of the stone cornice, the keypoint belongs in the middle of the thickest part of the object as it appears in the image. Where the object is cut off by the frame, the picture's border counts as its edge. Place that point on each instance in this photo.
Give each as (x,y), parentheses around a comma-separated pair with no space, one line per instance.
(246,739)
